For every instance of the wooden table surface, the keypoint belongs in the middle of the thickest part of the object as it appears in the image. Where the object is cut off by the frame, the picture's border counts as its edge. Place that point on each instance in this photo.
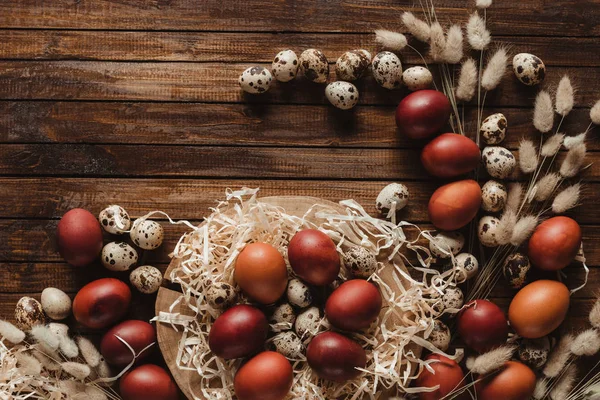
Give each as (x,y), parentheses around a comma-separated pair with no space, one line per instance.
(137,103)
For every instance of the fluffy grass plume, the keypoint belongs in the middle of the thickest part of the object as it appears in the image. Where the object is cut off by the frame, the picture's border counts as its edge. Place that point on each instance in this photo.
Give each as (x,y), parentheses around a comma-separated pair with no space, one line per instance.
(595,113)
(566,199)
(478,36)
(467,82)
(45,337)
(453,51)
(565,97)
(495,70)
(552,145)
(515,194)
(571,141)
(483,3)
(390,40)
(77,370)
(574,161)
(541,389)
(587,343)
(11,333)
(47,362)
(545,186)
(68,347)
(437,42)
(28,365)
(559,357)
(506,227)
(595,314)
(416,27)
(523,229)
(492,360)
(528,158)
(543,113)
(89,352)
(563,386)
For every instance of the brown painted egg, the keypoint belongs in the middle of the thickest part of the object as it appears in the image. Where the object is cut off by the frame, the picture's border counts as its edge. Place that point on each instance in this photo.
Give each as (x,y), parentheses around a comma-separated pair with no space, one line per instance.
(101,303)
(335,357)
(455,204)
(261,273)
(79,237)
(267,376)
(137,334)
(354,305)
(448,375)
(515,382)
(554,244)
(422,114)
(314,257)
(238,332)
(148,382)
(450,155)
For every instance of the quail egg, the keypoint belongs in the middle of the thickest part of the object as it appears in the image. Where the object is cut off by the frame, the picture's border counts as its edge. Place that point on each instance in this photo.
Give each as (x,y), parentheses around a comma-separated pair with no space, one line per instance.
(285,66)
(298,293)
(308,323)
(440,335)
(28,313)
(342,95)
(55,303)
(387,70)
(146,279)
(255,80)
(289,345)
(493,128)
(493,196)
(118,256)
(392,197)
(529,69)
(366,53)
(147,234)
(360,262)
(445,243)
(114,219)
(466,266)
(220,295)
(487,231)
(283,318)
(534,351)
(352,65)
(515,269)
(453,298)
(499,162)
(314,65)
(417,78)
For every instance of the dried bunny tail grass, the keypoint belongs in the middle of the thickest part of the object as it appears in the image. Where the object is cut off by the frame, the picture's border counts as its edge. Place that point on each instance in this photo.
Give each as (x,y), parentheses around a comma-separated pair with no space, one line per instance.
(574,161)
(11,333)
(103,369)
(495,70)
(467,82)
(477,34)
(552,145)
(95,393)
(515,195)
(437,42)
(528,157)
(559,357)
(563,386)
(587,343)
(541,389)
(89,352)
(546,186)
(543,113)
(77,370)
(565,97)
(45,337)
(390,40)
(506,226)
(416,27)
(492,360)
(47,362)
(28,365)
(523,229)
(595,314)
(571,141)
(483,3)
(566,199)
(453,51)
(595,113)
(68,347)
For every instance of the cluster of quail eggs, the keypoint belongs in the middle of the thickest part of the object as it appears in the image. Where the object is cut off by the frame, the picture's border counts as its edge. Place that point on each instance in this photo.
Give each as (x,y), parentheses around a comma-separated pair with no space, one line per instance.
(55,305)
(312,64)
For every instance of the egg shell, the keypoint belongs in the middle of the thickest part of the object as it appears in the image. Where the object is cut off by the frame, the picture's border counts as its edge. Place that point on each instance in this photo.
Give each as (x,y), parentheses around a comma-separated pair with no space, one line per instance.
(148,382)
(360,262)
(549,299)
(455,204)
(118,256)
(314,257)
(289,345)
(147,234)
(267,376)
(453,298)
(220,295)
(335,357)
(554,243)
(493,196)
(387,70)
(56,303)
(351,65)
(354,305)
(307,323)
(393,195)
(466,265)
(283,318)
(101,303)
(261,273)
(255,80)
(515,381)
(285,66)
(114,219)
(314,65)
(298,293)
(440,335)
(534,351)
(448,375)
(529,69)
(28,313)
(444,244)
(342,95)
(499,162)
(422,114)
(487,231)
(138,334)
(238,332)
(450,155)
(79,237)
(515,269)
(493,128)
(482,325)
(417,78)
(146,279)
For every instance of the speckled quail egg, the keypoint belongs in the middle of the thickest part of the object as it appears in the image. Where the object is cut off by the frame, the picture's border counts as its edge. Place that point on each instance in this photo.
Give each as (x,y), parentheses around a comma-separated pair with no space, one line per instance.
(114,219)
(440,335)
(515,269)
(298,293)
(118,256)
(289,345)
(493,128)
(487,231)
(285,66)
(445,243)
(366,53)
(283,318)
(393,196)
(352,65)
(493,196)
(56,303)
(466,266)
(417,78)
(387,70)
(453,298)
(255,80)
(499,162)
(146,279)
(220,295)
(308,323)
(529,69)
(147,234)
(360,262)
(28,313)
(534,351)
(342,95)
(314,65)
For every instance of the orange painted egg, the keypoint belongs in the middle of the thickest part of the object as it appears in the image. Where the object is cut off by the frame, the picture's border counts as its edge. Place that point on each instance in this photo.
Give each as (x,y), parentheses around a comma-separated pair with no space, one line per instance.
(450,155)
(454,205)
(267,376)
(554,244)
(515,382)
(261,273)
(448,375)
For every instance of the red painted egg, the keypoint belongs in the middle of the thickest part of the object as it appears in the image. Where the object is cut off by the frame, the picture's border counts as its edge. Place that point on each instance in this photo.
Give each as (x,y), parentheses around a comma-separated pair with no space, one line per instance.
(450,155)
(482,325)
(267,376)
(79,237)
(261,273)
(148,382)
(101,303)
(238,332)
(448,375)
(138,334)
(455,204)
(335,357)
(354,305)
(554,244)
(422,114)
(515,382)
(314,257)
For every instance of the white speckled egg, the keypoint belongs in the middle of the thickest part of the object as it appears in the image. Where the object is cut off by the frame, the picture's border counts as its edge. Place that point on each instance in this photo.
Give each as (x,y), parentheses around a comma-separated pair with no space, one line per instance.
(289,345)
(466,266)
(487,231)
(114,219)
(453,298)
(351,65)
(28,313)
(515,269)
(283,318)
(534,351)
(493,196)
(499,162)
(308,323)
(445,243)
(146,279)
(55,303)
(314,65)
(393,196)
(298,293)
(118,256)
(387,70)
(529,69)
(440,335)
(255,80)
(285,66)
(342,95)
(417,78)
(360,262)
(493,128)
(366,53)
(220,295)
(147,234)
